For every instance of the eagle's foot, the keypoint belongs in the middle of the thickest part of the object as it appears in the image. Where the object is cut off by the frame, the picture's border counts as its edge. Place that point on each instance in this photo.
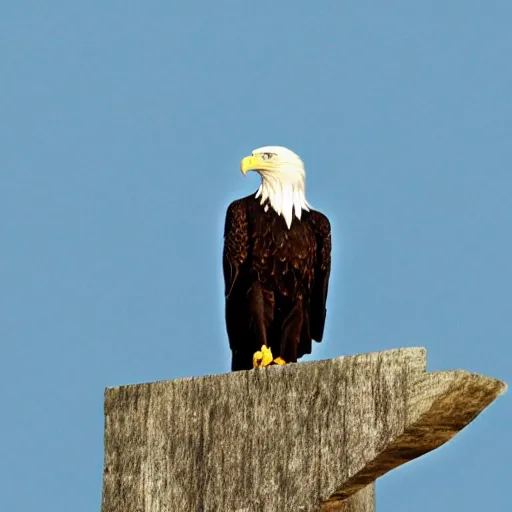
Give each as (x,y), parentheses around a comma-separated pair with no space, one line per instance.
(262,357)
(278,360)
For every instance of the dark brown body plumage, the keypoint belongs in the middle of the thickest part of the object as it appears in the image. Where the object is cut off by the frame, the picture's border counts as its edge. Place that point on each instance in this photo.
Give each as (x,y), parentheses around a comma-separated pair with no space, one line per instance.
(276,281)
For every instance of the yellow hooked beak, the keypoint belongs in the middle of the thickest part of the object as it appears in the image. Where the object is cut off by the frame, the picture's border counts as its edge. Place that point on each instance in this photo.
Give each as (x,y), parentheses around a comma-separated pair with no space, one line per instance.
(257,162)
(250,163)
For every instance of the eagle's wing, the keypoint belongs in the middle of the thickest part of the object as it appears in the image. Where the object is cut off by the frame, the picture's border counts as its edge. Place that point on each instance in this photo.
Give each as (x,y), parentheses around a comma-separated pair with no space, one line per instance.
(322,230)
(234,262)
(236,244)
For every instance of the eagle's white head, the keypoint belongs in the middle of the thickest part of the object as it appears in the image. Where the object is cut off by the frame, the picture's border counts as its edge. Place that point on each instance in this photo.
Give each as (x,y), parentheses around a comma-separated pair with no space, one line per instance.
(283,180)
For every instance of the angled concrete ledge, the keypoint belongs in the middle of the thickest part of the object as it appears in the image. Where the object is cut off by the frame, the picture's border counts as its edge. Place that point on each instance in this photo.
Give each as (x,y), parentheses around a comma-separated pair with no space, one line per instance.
(302,437)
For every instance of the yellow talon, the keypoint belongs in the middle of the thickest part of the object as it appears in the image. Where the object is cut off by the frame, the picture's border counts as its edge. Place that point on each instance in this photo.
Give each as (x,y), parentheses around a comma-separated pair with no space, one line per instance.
(267,356)
(262,357)
(256,359)
(279,360)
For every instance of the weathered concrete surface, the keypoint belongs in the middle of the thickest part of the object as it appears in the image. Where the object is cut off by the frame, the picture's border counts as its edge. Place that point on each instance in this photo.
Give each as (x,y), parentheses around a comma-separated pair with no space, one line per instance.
(300,437)
(361,501)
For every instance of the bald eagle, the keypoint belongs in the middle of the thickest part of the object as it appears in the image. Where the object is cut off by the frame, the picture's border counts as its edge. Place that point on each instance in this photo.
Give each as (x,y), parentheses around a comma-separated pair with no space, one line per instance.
(276,263)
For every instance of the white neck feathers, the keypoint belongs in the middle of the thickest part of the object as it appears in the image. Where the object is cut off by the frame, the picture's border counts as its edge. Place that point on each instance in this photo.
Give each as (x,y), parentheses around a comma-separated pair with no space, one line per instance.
(285,193)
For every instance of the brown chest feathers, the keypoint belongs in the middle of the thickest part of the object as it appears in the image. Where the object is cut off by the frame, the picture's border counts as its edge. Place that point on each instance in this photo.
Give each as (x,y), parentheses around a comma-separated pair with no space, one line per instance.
(282,259)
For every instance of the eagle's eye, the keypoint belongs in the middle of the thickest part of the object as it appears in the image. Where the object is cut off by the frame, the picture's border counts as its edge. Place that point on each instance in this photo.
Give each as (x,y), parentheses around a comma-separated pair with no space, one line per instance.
(266,156)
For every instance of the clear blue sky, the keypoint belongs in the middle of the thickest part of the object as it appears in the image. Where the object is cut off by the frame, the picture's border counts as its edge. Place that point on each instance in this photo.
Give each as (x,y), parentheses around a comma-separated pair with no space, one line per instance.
(122,127)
